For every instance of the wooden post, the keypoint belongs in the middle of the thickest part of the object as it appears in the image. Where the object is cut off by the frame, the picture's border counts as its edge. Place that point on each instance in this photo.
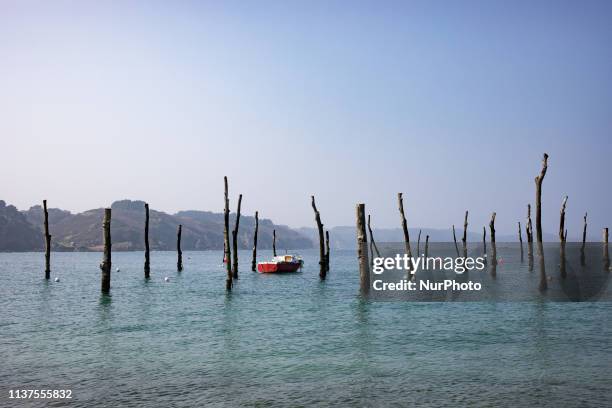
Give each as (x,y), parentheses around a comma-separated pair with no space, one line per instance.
(464,239)
(492,227)
(484,241)
(455,239)
(543,280)
(372,242)
(254,261)
(606,254)
(147,264)
(226,240)
(235,238)
(274,242)
(529,226)
(521,240)
(426,246)
(322,262)
(538,181)
(419,244)
(562,220)
(179,262)
(105,266)
(47,242)
(404,225)
(362,250)
(584,231)
(493,244)
(326,250)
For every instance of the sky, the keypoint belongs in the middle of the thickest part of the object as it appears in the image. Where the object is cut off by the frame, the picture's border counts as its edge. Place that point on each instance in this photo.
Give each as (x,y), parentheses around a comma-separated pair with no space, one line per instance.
(450,102)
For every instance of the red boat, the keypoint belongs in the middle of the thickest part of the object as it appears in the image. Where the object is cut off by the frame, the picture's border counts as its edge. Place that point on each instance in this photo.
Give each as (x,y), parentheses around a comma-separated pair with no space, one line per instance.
(283,263)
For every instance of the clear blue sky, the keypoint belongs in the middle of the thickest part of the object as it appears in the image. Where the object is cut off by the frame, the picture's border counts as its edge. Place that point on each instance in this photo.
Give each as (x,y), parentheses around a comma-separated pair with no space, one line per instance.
(451,102)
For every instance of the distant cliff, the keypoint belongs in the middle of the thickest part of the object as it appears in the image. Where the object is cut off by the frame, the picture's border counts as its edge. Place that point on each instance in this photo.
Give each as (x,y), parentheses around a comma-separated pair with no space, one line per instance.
(22,231)
(16,233)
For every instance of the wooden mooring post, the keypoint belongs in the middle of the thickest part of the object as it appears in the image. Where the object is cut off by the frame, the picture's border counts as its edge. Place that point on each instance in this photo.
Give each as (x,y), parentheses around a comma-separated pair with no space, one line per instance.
(147,264)
(529,226)
(493,244)
(464,239)
(235,239)
(584,232)
(226,241)
(254,261)
(538,181)
(47,242)
(562,231)
(426,246)
(606,254)
(362,249)
(322,261)
(105,266)
(520,235)
(326,250)
(484,242)
(419,243)
(179,252)
(274,242)
(400,201)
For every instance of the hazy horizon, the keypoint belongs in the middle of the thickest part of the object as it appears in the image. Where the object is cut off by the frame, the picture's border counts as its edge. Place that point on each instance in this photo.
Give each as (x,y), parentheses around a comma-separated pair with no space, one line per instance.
(451,104)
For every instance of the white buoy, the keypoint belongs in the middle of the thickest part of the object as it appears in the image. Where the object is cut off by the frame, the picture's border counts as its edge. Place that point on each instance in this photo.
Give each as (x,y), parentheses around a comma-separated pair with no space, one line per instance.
(56,279)
(166,279)
(118,270)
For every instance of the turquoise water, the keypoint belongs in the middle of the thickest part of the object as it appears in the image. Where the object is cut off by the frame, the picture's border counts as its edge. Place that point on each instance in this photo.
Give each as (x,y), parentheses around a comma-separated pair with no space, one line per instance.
(283,340)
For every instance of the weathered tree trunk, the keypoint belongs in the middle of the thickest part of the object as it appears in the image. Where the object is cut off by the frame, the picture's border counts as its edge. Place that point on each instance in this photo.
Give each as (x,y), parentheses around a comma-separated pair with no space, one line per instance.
(235,238)
(419,244)
(538,181)
(562,260)
(372,242)
(493,244)
(492,227)
(254,261)
(326,250)
(562,238)
(179,252)
(274,242)
(455,240)
(606,253)
(47,242)
(584,231)
(484,242)
(226,240)
(426,246)
(147,264)
(105,266)
(543,280)
(529,226)
(322,262)
(562,220)
(464,239)
(520,235)
(404,225)
(362,250)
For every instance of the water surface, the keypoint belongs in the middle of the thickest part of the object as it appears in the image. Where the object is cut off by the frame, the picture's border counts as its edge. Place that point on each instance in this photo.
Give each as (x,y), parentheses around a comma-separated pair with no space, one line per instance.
(284,340)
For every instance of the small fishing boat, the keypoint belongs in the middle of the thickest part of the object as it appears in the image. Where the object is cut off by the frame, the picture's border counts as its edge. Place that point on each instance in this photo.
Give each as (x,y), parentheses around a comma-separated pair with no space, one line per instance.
(282,263)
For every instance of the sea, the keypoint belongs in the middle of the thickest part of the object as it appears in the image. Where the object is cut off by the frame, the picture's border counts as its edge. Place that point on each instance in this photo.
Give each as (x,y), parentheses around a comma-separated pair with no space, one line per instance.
(290,340)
